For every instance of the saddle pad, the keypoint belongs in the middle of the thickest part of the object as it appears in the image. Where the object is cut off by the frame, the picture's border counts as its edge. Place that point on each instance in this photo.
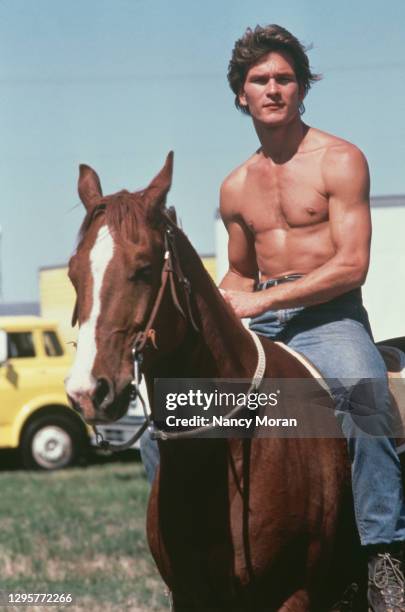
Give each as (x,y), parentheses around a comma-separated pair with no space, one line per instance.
(395,363)
(305,362)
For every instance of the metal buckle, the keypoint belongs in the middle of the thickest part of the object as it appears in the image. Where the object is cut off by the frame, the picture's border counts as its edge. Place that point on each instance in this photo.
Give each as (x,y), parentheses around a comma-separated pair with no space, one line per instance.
(186,284)
(137,365)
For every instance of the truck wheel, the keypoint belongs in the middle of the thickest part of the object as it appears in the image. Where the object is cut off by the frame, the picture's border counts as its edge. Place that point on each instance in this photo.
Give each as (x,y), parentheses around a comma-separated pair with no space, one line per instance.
(52,442)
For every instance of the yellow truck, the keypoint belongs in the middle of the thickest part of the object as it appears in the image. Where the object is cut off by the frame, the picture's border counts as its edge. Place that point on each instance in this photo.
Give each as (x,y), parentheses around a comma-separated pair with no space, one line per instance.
(35,416)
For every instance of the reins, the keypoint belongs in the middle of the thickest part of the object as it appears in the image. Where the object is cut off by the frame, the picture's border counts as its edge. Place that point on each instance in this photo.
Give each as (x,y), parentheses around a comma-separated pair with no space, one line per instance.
(171,271)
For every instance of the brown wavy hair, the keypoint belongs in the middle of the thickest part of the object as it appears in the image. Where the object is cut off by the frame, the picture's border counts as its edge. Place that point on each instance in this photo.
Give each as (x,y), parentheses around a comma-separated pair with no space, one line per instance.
(260,41)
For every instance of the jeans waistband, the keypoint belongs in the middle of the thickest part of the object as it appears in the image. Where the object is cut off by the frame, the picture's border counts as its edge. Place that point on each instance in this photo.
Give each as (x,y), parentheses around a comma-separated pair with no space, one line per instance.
(349,305)
(273,282)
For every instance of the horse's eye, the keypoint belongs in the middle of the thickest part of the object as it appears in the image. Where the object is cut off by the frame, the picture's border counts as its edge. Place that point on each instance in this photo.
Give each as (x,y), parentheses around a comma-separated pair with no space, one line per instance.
(144,274)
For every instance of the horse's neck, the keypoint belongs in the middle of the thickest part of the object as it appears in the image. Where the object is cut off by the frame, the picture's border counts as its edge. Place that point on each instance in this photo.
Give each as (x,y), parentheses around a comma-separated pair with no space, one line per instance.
(223,346)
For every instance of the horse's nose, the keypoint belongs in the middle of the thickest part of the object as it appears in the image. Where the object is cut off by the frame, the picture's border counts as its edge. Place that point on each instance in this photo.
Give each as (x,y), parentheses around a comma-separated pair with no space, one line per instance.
(103,392)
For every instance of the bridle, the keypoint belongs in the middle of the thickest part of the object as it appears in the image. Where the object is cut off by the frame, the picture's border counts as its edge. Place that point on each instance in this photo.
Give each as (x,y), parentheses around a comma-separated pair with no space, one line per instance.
(171,269)
(172,274)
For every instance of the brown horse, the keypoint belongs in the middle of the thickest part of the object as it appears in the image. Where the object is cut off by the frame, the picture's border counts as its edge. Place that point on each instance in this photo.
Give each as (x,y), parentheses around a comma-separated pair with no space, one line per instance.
(251,525)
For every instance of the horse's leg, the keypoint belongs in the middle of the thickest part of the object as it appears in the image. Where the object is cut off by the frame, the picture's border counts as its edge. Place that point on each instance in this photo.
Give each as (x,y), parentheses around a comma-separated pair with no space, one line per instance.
(298,602)
(182,605)
(178,604)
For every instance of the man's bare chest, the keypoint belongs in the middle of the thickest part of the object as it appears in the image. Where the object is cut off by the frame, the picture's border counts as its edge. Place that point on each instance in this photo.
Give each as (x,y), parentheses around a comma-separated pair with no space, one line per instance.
(284,198)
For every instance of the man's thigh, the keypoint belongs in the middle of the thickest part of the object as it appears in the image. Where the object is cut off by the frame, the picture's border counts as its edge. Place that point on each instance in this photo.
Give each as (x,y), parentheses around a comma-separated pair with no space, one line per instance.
(340,349)
(355,372)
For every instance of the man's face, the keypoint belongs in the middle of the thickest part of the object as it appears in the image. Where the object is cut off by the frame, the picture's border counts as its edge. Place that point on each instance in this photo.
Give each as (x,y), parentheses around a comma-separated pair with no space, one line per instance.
(271,90)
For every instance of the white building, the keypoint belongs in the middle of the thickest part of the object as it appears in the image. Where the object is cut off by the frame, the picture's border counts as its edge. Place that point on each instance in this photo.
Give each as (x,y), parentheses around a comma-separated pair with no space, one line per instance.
(384,291)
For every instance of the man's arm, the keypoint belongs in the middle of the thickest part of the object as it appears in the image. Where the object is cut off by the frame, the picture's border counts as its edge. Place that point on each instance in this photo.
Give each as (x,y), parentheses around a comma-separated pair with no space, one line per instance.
(242,271)
(347,184)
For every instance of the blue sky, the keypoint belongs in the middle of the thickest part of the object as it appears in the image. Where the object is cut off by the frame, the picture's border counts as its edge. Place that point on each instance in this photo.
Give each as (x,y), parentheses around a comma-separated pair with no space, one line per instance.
(117,84)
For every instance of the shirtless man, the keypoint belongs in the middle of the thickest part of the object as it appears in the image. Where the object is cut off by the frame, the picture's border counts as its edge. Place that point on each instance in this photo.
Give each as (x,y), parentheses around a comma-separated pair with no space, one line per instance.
(298,218)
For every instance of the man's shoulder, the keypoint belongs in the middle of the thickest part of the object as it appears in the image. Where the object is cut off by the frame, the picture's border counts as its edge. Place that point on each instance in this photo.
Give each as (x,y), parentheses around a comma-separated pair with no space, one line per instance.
(335,149)
(234,181)
(343,164)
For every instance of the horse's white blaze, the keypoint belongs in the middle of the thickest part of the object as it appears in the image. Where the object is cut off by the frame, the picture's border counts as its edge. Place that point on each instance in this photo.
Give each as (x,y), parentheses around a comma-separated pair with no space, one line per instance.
(80,380)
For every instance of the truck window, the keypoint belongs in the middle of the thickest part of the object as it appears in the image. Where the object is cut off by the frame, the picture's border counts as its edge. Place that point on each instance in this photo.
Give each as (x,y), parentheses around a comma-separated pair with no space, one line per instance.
(20,344)
(52,345)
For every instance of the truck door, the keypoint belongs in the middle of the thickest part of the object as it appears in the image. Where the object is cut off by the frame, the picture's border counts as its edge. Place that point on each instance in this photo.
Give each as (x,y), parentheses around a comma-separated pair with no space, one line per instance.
(18,378)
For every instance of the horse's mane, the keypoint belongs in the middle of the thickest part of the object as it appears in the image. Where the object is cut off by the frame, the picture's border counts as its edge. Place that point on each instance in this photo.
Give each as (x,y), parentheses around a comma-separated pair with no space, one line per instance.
(122,213)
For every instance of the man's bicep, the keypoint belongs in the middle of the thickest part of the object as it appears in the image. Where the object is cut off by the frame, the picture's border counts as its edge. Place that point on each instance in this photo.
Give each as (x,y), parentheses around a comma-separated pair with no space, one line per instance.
(241,250)
(348,184)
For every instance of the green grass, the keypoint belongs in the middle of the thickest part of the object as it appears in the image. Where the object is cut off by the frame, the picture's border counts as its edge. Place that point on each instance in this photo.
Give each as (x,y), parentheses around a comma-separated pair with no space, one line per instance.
(80,531)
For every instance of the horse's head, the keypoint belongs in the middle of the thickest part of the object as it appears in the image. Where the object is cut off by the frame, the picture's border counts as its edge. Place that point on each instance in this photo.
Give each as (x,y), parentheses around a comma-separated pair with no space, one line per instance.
(116,271)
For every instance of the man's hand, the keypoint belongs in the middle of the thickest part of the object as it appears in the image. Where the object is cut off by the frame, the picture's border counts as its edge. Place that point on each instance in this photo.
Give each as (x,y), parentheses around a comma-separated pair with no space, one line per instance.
(244,303)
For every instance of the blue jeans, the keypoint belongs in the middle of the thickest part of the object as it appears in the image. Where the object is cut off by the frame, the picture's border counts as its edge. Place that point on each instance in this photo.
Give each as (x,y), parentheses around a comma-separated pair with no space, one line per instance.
(149,455)
(336,338)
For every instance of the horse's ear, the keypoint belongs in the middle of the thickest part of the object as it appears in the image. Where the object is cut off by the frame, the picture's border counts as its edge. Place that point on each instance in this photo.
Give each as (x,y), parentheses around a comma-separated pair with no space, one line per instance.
(159,187)
(89,186)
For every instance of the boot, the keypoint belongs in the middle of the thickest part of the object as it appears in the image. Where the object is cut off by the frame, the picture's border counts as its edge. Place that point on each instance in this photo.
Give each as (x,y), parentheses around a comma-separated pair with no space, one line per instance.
(386,582)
